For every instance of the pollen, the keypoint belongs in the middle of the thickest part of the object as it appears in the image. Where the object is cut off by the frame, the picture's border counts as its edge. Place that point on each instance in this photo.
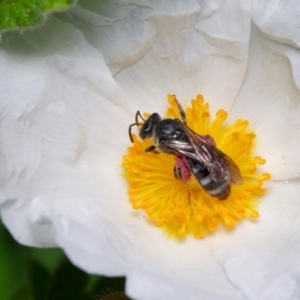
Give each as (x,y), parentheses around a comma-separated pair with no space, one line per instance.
(185,208)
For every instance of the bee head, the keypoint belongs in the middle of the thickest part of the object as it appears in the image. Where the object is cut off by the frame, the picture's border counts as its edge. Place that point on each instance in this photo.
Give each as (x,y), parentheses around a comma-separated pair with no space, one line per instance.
(148,127)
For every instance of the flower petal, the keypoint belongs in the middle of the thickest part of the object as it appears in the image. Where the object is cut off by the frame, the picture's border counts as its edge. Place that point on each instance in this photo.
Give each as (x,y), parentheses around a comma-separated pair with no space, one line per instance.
(264,263)
(60,168)
(182,48)
(269,98)
(59,121)
(279,21)
(244,263)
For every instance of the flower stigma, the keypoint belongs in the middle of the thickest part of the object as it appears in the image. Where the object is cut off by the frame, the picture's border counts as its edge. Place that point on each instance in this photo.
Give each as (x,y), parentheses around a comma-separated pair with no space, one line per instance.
(182,208)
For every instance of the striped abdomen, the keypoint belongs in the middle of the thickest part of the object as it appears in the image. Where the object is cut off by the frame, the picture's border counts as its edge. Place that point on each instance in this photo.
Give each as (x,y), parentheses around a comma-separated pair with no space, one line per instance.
(221,189)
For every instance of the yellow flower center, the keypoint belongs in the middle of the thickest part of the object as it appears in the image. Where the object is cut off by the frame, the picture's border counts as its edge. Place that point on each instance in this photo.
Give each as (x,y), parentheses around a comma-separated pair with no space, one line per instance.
(183,208)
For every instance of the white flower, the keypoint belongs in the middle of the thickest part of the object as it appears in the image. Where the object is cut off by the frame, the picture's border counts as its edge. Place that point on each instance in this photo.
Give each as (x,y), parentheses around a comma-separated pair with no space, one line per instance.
(64,122)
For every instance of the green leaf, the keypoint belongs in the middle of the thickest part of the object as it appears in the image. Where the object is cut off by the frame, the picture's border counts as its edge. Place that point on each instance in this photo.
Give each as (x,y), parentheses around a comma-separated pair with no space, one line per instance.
(110,284)
(13,258)
(68,282)
(46,274)
(50,258)
(21,293)
(115,296)
(18,14)
(39,280)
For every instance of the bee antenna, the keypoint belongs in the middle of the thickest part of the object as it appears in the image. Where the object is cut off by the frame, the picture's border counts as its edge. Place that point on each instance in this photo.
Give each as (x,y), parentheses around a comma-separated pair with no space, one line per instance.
(138,114)
(129,130)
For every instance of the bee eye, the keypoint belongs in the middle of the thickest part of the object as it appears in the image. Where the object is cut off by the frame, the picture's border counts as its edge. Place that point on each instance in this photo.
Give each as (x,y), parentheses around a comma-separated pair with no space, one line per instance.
(176,134)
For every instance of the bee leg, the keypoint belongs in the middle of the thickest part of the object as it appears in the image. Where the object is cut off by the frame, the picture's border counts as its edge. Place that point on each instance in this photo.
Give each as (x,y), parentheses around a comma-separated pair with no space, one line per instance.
(181,111)
(183,175)
(177,172)
(181,169)
(151,149)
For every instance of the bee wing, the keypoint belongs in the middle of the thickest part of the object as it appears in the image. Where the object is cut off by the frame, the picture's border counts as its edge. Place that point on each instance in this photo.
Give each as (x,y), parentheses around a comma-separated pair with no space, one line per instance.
(220,166)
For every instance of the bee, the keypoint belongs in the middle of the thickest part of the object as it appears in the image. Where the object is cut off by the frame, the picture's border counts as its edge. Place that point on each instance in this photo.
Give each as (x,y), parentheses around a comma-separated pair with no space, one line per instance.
(195,154)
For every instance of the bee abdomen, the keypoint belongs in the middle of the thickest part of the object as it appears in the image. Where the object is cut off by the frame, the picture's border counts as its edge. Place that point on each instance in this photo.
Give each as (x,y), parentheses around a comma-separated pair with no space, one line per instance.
(220,190)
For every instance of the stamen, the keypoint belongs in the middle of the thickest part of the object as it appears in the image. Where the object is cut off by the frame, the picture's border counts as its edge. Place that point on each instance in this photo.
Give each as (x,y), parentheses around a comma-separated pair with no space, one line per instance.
(182,208)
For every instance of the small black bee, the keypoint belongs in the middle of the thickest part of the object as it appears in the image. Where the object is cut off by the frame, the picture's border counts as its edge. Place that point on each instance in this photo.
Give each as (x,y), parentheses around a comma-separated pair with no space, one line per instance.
(195,154)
